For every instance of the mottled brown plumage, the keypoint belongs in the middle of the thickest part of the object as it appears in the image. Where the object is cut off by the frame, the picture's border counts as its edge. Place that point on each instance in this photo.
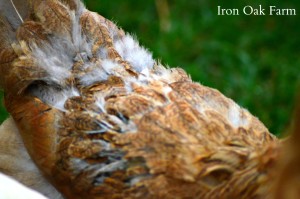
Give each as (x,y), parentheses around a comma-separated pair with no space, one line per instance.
(101,119)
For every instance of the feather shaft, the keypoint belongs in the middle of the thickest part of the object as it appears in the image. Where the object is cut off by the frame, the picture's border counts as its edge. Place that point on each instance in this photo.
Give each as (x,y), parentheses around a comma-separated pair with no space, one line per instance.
(12,2)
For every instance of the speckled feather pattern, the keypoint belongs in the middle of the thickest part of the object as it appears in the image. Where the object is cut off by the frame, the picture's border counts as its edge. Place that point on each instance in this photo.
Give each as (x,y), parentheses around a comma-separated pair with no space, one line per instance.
(102,119)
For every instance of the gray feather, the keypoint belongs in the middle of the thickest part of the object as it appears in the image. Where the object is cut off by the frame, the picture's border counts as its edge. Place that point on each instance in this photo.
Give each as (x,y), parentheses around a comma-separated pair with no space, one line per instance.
(14,12)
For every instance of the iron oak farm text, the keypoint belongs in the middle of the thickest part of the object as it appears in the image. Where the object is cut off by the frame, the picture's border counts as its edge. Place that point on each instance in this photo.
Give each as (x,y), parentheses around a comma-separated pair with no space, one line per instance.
(251,10)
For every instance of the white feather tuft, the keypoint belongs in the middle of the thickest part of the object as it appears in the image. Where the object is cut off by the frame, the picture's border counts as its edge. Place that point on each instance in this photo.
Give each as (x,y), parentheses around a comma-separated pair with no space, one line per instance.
(235,116)
(166,90)
(112,68)
(128,127)
(101,71)
(116,165)
(54,96)
(131,51)
(79,40)
(54,60)
(92,76)
(100,102)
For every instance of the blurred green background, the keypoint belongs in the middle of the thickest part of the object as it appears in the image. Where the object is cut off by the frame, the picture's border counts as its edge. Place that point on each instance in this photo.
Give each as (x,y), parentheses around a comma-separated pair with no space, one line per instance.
(252,59)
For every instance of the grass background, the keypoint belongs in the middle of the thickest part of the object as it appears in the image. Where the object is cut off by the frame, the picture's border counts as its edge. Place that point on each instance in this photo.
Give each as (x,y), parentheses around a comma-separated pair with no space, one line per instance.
(252,59)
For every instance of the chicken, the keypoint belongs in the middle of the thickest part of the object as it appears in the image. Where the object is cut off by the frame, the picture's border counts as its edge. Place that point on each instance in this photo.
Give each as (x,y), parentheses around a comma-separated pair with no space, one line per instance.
(100,118)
